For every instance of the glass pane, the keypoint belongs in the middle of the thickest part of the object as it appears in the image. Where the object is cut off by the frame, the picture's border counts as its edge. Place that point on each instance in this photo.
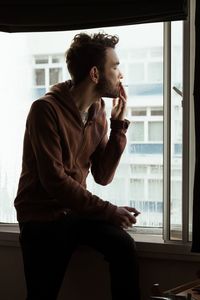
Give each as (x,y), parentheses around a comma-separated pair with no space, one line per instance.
(39,78)
(136,131)
(138,112)
(176,133)
(41,59)
(157,111)
(56,59)
(155,131)
(131,185)
(55,75)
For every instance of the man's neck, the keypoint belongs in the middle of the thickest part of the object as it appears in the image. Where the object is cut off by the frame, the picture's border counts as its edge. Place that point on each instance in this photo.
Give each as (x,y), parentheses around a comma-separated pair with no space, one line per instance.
(84,96)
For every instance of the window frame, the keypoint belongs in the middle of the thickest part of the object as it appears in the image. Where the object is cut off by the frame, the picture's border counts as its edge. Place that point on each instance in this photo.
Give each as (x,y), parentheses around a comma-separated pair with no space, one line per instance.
(186,131)
(9,232)
(47,67)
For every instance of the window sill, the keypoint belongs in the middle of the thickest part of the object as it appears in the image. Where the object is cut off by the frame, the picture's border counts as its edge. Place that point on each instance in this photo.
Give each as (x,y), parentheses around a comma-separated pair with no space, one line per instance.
(148,245)
(9,235)
(153,246)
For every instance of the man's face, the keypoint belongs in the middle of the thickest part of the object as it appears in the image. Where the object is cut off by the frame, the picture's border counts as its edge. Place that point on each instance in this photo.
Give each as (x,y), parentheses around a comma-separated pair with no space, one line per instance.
(109,79)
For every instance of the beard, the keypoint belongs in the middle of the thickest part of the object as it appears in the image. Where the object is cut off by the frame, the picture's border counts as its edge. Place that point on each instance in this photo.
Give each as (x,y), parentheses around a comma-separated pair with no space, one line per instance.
(105,89)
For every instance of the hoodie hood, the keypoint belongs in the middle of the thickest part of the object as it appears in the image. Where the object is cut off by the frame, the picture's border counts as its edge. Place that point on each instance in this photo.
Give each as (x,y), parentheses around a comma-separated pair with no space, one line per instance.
(61,93)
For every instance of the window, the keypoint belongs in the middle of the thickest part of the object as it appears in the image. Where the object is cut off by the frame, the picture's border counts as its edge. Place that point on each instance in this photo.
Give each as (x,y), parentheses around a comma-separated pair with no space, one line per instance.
(151,168)
(155,131)
(47,70)
(136,132)
(138,111)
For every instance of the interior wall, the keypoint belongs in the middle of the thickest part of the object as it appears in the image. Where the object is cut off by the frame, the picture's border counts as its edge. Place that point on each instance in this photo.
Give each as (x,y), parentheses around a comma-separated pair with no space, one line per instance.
(87,277)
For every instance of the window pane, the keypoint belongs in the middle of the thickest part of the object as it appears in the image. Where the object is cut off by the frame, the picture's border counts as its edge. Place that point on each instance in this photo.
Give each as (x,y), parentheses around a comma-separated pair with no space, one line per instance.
(156,111)
(55,75)
(138,112)
(136,131)
(155,131)
(131,185)
(56,59)
(41,59)
(39,76)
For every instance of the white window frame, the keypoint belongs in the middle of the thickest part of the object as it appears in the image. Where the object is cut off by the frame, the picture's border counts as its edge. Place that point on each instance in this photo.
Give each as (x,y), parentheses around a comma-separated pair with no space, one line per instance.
(47,67)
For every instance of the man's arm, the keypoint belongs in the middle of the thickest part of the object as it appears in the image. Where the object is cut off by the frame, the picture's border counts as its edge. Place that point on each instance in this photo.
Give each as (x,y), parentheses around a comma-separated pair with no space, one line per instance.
(108,153)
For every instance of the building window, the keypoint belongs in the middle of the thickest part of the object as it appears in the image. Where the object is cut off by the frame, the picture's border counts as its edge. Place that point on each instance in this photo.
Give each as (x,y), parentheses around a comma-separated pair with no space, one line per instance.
(136,131)
(48,70)
(155,131)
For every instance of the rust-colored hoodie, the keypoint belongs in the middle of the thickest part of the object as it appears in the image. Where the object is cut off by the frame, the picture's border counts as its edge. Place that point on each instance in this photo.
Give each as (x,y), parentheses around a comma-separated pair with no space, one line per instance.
(59,150)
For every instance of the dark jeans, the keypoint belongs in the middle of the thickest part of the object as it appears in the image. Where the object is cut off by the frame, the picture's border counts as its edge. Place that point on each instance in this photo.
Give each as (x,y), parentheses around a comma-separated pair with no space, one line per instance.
(48,247)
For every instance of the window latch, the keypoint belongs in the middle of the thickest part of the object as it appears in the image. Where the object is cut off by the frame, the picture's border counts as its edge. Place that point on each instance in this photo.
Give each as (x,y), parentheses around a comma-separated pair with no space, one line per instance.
(178,91)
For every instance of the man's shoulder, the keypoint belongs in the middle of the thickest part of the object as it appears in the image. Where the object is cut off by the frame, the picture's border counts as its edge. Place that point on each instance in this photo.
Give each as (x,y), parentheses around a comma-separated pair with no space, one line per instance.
(42,105)
(43,101)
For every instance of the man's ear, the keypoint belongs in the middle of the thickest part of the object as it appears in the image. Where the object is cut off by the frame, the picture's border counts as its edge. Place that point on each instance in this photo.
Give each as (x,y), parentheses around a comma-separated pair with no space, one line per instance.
(94,74)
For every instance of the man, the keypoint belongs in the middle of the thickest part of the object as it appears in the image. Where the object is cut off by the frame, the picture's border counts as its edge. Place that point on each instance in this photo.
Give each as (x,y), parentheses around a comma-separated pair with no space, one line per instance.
(65,137)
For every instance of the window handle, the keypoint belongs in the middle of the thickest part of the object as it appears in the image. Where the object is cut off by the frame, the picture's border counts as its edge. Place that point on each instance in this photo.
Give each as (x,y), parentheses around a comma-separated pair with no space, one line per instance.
(178,91)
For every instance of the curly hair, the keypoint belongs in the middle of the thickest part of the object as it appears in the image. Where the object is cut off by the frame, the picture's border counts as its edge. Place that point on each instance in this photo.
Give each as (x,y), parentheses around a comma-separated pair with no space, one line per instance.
(87,51)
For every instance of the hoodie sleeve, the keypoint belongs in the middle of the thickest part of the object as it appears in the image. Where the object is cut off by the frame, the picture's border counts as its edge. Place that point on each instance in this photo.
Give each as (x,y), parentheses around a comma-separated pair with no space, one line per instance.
(106,157)
(43,131)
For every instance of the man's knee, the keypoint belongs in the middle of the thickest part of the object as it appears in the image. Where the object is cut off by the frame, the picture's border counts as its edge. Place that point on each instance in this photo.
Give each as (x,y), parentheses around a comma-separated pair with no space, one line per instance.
(127,243)
(122,244)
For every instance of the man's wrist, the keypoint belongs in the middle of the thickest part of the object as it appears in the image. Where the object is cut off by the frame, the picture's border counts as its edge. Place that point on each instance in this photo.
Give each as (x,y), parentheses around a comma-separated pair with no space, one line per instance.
(119,124)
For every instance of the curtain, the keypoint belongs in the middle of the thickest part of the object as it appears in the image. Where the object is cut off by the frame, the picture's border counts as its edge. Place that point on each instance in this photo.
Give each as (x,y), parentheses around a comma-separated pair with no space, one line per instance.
(26,16)
(196,191)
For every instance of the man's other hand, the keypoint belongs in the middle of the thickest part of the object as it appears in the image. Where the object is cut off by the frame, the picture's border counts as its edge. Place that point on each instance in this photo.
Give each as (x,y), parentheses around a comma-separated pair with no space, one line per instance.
(125,216)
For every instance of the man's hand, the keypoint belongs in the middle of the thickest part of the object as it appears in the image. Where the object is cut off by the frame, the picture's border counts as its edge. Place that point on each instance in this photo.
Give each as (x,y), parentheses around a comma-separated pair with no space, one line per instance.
(124,218)
(119,105)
